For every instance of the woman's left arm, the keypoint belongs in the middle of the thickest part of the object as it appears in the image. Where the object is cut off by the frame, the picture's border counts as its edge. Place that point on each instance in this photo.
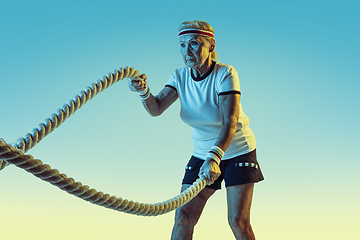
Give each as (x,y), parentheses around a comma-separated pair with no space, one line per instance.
(229,113)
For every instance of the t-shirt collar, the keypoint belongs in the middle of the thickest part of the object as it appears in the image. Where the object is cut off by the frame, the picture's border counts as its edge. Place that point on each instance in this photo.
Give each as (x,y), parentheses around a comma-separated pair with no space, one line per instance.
(203,76)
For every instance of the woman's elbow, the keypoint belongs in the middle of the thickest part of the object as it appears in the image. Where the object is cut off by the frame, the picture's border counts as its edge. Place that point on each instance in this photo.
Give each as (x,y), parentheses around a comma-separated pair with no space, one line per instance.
(152,114)
(231,124)
(155,112)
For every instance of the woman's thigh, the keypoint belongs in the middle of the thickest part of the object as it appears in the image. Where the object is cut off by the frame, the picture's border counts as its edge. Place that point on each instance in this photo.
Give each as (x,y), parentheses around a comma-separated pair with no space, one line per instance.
(193,209)
(239,198)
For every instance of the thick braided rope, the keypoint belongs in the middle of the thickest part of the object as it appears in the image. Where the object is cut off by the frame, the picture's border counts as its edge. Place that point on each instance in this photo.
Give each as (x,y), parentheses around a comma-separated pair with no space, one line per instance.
(44,172)
(16,155)
(50,124)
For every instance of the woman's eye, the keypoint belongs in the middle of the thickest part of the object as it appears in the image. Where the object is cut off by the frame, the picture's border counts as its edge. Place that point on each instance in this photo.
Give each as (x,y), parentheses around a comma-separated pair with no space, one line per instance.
(194,44)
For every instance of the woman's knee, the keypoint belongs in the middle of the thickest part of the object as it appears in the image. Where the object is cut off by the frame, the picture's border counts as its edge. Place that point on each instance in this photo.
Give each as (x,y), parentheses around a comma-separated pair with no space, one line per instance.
(239,222)
(189,214)
(183,217)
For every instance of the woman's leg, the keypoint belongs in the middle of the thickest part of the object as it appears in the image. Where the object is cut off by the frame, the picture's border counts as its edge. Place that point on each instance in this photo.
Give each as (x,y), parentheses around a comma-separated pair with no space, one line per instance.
(239,200)
(188,215)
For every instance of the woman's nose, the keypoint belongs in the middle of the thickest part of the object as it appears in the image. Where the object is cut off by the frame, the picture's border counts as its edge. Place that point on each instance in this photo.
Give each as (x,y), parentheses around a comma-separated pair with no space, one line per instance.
(188,49)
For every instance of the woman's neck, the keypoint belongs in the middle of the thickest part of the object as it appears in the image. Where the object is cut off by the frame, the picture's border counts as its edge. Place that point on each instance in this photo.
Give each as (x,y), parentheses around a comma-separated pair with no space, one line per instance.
(203,69)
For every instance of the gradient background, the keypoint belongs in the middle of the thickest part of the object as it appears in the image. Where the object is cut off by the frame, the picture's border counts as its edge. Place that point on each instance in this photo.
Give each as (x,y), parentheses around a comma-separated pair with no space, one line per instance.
(299,67)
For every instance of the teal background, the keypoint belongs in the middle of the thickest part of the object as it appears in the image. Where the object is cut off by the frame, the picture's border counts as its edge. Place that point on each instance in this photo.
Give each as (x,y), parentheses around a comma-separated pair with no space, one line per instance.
(298,63)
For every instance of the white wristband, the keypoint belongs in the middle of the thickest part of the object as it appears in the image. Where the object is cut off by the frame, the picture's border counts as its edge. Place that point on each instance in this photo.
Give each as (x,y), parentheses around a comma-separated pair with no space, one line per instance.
(216,153)
(144,94)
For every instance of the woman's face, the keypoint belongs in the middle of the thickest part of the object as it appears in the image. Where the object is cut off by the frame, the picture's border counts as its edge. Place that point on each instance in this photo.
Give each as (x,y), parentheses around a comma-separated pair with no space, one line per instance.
(194,53)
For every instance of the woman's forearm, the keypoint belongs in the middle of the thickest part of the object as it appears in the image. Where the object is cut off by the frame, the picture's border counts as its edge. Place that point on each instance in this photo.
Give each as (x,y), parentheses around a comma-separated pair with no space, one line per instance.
(156,105)
(226,135)
(151,105)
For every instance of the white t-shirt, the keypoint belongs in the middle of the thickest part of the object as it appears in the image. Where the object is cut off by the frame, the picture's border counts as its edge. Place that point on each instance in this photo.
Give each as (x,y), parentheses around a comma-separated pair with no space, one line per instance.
(199,99)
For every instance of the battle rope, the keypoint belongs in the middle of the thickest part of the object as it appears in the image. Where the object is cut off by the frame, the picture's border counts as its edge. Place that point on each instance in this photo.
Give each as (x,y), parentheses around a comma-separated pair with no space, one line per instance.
(15,154)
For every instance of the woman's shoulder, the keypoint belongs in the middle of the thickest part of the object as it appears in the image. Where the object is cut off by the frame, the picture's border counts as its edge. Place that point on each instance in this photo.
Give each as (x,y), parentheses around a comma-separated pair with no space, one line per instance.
(224,68)
(224,65)
(179,75)
(182,70)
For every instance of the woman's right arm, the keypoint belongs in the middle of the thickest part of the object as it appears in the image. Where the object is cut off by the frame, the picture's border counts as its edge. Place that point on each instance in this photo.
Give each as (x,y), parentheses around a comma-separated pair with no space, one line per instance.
(154,105)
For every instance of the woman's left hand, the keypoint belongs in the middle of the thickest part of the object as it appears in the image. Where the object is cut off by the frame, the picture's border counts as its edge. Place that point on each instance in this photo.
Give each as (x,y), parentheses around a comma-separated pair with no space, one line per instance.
(210,170)
(139,84)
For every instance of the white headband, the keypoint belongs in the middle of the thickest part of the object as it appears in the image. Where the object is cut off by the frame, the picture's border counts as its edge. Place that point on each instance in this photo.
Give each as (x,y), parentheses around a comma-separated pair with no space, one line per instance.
(196,31)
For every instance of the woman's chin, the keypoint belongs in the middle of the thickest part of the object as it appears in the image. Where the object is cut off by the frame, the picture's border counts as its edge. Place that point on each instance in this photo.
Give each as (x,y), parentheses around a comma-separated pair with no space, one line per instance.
(190,64)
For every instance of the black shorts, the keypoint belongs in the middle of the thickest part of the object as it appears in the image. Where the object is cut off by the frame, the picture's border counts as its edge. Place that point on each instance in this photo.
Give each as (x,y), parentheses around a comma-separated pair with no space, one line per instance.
(239,170)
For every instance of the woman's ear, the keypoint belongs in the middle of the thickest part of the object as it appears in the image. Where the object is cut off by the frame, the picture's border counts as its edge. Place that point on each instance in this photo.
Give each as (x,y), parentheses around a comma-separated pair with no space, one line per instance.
(212,46)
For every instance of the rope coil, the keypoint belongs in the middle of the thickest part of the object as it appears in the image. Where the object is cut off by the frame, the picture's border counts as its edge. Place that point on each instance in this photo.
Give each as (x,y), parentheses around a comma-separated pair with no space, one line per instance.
(15,155)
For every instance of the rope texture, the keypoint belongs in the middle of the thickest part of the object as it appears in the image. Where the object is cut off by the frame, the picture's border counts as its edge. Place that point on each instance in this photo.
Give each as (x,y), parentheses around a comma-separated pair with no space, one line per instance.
(15,155)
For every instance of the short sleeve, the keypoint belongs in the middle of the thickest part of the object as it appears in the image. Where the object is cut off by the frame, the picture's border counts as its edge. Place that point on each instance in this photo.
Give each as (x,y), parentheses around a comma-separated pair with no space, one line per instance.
(230,82)
(172,82)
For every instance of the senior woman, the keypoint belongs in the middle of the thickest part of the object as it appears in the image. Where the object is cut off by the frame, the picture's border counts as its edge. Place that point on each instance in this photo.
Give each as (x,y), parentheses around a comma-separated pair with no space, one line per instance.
(224,145)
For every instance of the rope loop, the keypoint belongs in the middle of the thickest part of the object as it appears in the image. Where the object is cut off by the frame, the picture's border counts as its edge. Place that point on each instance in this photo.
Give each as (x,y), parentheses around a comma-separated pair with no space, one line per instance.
(16,154)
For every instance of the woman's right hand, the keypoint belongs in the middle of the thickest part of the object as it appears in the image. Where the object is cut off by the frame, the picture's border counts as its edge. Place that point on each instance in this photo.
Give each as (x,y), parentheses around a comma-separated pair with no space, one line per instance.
(210,170)
(138,85)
